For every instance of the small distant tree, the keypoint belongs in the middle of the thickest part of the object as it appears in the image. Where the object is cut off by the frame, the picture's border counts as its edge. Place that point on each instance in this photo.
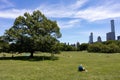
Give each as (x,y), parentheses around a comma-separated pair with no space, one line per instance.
(33,32)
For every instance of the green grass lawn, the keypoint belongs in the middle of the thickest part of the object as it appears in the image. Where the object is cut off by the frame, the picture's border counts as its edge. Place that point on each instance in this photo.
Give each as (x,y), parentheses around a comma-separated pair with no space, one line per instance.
(65,67)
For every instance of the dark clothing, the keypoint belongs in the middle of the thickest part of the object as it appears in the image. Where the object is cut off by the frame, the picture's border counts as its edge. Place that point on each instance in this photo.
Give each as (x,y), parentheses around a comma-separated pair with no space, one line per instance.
(81,68)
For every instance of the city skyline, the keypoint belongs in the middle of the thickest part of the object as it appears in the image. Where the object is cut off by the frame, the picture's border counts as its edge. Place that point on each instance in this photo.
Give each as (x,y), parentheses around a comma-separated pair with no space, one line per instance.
(76,18)
(109,35)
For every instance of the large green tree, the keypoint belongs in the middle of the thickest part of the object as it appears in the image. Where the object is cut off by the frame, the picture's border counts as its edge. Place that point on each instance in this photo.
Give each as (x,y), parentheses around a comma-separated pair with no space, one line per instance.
(33,32)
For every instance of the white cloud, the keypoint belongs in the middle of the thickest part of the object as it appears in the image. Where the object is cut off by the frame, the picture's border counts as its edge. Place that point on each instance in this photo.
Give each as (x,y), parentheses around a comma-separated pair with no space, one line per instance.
(90,13)
(68,24)
(5,4)
(52,10)
(104,11)
(60,10)
(78,4)
(13,13)
(63,11)
(98,13)
(7,10)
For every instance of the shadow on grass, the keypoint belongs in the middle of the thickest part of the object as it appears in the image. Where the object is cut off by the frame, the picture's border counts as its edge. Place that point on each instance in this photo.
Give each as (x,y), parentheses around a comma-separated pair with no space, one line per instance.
(27,58)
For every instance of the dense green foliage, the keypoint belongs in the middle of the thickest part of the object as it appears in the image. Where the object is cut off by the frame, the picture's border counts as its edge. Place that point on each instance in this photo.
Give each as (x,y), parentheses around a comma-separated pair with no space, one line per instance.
(33,32)
(4,46)
(101,47)
(67,47)
(82,47)
(99,66)
(105,47)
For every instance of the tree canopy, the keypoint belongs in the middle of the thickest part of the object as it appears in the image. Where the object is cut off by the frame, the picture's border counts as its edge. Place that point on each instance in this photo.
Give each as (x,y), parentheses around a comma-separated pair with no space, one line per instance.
(33,32)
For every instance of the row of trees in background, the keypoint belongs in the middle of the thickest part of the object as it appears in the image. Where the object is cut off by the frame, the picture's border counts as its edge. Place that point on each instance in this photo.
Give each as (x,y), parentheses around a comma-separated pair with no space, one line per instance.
(73,47)
(101,47)
(105,47)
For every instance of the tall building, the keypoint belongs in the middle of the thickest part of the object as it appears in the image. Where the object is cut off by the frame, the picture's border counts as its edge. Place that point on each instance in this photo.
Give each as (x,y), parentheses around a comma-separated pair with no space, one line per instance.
(91,38)
(118,38)
(111,35)
(99,39)
(112,26)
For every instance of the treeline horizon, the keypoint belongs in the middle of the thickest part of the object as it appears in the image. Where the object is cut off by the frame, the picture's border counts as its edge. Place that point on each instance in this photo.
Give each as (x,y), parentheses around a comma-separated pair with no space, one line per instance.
(111,46)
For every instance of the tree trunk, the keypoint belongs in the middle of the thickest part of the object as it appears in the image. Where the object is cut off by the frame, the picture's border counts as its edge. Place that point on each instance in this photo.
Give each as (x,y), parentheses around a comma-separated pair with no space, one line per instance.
(31,54)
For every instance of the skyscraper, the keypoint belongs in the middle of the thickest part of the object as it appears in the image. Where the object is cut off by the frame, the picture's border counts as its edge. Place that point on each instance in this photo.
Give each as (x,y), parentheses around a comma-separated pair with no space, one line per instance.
(91,38)
(112,26)
(118,38)
(99,39)
(111,35)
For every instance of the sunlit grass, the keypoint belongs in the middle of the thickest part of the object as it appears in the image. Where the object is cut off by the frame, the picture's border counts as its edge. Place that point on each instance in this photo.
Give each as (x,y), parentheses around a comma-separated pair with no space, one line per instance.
(65,67)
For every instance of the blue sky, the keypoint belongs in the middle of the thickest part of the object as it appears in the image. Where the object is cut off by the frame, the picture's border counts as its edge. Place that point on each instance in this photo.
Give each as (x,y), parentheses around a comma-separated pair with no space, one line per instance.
(76,18)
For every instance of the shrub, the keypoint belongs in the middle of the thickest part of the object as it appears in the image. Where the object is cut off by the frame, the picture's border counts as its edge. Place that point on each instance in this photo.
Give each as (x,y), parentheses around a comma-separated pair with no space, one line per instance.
(109,47)
(94,47)
(113,48)
(105,49)
(82,47)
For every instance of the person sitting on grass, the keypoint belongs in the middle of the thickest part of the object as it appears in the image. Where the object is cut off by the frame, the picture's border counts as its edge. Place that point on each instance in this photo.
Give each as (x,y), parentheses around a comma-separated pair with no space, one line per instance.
(81,68)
